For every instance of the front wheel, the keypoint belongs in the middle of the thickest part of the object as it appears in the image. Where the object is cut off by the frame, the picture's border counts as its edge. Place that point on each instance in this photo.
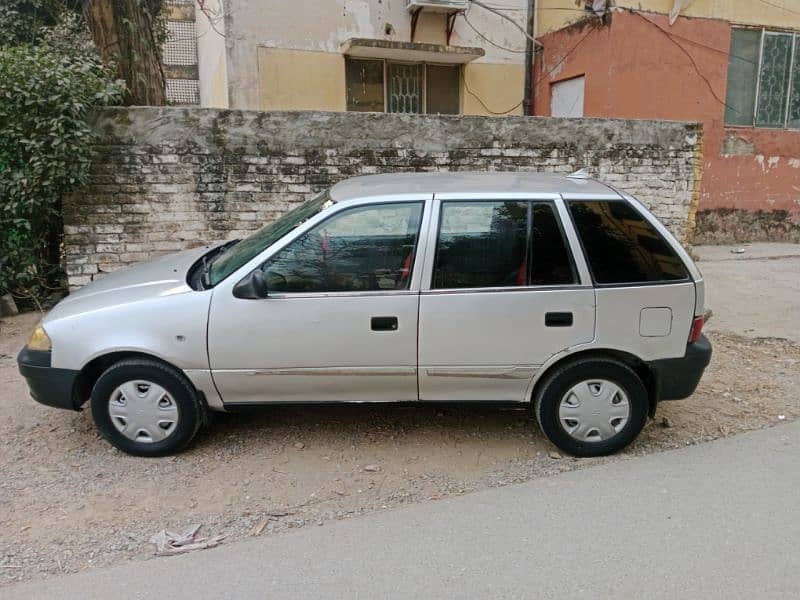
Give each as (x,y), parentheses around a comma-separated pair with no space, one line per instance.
(146,408)
(592,407)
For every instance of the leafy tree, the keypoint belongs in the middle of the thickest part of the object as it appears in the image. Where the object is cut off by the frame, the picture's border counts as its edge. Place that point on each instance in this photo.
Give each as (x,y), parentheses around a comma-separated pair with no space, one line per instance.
(50,76)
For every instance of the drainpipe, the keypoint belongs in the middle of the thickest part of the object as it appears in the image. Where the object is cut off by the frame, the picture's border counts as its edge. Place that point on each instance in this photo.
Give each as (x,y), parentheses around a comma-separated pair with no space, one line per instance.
(527,103)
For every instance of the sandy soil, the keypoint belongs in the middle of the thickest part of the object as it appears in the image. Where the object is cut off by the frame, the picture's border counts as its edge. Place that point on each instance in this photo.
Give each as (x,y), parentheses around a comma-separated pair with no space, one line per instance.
(68,501)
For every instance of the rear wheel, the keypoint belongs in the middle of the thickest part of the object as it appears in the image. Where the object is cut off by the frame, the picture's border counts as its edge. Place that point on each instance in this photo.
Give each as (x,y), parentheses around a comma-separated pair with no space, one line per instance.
(592,407)
(146,408)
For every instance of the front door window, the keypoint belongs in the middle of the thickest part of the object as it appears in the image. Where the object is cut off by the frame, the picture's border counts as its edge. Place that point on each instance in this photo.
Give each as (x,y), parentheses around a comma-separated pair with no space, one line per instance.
(361,249)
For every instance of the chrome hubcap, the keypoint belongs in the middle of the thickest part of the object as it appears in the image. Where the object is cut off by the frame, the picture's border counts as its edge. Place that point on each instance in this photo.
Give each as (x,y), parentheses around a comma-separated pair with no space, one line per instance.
(143,411)
(594,410)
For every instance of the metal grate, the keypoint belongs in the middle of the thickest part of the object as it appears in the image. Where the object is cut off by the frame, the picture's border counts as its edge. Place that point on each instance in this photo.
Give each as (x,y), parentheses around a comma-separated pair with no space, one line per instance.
(775,71)
(794,106)
(405,88)
(183,91)
(181,46)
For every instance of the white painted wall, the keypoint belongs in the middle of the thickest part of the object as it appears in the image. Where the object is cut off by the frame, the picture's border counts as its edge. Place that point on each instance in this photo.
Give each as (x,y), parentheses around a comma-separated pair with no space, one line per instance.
(323,25)
(566,97)
(211,59)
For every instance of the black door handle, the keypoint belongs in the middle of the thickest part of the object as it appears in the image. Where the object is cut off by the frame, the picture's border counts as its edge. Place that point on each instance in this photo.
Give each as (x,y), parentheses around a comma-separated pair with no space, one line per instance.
(558,319)
(384,323)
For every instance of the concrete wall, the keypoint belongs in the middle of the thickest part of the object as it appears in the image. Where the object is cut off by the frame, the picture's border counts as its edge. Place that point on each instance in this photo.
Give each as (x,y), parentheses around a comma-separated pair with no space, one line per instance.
(556,14)
(166,179)
(286,55)
(211,62)
(744,168)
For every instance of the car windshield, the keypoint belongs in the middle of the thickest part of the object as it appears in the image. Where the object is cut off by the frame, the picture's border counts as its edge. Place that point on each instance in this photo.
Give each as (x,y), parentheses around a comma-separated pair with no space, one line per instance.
(249,247)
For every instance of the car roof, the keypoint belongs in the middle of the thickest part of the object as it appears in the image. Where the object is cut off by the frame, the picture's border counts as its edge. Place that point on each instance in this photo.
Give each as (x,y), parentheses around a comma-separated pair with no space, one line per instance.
(465,182)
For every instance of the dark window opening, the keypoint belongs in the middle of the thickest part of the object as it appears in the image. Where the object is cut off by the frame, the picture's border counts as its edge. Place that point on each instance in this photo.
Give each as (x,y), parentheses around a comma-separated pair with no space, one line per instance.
(441,91)
(415,88)
(621,246)
(551,261)
(368,248)
(490,244)
(364,80)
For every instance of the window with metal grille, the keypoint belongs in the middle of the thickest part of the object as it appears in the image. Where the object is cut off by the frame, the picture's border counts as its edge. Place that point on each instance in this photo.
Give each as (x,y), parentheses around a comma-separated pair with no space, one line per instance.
(181,45)
(386,86)
(183,91)
(763,79)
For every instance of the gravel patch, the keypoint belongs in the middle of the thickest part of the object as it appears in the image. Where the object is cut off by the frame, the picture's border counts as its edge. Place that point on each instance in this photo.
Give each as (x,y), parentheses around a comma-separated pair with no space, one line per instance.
(71,502)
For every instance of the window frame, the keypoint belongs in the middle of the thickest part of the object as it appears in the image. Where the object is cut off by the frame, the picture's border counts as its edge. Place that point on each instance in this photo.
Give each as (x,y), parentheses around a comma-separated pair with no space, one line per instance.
(415,258)
(423,83)
(568,234)
(647,219)
(763,33)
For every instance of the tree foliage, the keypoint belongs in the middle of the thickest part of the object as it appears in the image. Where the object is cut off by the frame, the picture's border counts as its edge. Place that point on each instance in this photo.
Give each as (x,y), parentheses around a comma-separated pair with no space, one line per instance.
(50,76)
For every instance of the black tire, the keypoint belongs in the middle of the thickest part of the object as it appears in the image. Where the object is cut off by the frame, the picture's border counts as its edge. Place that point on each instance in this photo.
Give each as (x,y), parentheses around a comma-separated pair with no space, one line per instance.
(191,408)
(556,385)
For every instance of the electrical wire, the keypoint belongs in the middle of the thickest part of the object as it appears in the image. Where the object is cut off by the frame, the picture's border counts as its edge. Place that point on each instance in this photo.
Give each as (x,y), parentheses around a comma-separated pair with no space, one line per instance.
(691,59)
(640,13)
(566,8)
(521,9)
(486,39)
(563,58)
(507,18)
(778,6)
(482,103)
(534,84)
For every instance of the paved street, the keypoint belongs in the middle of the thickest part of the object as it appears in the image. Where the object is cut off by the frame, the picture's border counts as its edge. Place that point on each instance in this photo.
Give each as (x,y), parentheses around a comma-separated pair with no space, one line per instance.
(753,293)
(719,520)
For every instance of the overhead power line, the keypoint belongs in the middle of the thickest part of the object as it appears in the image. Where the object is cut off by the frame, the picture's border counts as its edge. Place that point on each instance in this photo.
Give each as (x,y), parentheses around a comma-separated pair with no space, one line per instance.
(486,39)
(668,35)
(535,83)
(778,6)
(507,18)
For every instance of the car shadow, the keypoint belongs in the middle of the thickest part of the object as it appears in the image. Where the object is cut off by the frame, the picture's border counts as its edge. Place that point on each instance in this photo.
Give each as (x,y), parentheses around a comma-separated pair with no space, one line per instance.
(337,422)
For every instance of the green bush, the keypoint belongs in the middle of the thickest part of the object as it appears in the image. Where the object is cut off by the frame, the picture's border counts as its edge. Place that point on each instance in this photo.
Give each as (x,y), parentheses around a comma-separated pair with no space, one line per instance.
(46,88)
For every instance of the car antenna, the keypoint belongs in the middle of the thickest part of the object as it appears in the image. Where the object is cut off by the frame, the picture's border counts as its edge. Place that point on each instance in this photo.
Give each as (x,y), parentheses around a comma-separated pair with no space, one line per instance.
(580,174)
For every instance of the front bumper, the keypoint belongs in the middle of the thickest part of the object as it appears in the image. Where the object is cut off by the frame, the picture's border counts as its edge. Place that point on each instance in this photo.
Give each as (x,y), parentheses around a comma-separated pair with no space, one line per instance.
(48,385)
(677,378)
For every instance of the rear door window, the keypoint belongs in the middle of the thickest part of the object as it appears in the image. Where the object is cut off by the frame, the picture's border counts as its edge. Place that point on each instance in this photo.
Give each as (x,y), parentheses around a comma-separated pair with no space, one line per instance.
(488,244)
(621,246)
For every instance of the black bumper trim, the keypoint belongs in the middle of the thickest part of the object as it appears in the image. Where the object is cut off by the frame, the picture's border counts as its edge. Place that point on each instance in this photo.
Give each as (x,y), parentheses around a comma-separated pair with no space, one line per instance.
(677,378)
(48,385)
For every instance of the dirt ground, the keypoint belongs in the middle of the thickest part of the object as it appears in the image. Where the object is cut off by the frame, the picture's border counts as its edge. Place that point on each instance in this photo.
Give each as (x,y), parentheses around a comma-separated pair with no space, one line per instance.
(68,501)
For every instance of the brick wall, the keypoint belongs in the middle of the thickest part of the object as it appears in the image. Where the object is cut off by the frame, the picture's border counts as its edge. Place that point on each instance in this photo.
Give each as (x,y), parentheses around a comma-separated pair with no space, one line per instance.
(166,179)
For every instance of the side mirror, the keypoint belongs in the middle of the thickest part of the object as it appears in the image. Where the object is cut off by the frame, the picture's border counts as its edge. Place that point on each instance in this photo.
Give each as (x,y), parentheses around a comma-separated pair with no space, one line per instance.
(252,287)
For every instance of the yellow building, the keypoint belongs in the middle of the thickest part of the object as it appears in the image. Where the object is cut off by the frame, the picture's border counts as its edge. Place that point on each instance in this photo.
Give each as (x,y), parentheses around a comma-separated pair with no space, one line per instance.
(556,14)
(414,56)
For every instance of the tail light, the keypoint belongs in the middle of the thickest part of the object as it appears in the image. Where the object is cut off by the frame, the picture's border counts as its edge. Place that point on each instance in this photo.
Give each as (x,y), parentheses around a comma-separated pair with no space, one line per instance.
(697,329)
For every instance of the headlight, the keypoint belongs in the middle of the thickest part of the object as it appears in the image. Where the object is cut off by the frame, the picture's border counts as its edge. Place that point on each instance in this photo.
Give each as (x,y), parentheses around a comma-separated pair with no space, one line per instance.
(39,340)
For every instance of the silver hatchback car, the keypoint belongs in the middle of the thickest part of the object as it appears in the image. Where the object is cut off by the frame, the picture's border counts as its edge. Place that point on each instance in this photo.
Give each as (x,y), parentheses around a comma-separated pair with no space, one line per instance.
(556,292)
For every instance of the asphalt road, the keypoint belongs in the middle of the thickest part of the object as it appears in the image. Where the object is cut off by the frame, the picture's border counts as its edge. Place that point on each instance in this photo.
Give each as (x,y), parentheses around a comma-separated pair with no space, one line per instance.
(719,520)
(753,293)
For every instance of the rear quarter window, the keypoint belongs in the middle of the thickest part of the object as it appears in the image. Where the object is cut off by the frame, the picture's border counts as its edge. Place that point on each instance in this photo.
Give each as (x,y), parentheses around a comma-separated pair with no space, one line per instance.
(621,246)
